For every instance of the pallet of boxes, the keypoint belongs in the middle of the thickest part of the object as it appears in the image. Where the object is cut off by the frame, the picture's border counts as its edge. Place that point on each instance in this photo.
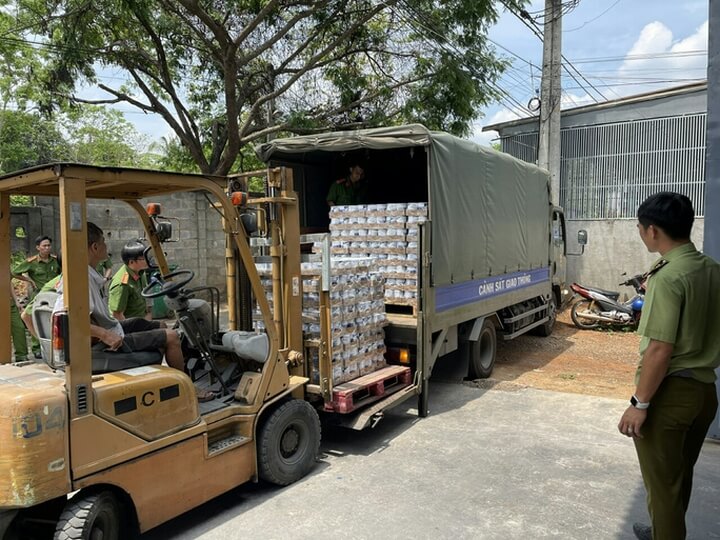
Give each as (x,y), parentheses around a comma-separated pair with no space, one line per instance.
(388,234)
(373,262)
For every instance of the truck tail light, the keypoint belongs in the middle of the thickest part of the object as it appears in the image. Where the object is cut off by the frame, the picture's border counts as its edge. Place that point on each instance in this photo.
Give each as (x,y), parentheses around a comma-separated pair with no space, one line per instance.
(60,340)
(398,355)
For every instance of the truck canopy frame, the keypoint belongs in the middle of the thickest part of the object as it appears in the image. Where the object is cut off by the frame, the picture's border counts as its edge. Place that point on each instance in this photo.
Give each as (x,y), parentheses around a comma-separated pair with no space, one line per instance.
(483,204)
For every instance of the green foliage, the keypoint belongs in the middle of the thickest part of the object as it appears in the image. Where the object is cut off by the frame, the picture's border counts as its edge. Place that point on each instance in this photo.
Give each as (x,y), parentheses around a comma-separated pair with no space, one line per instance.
(226,74)
(102,136)
(26,139)
(21,200)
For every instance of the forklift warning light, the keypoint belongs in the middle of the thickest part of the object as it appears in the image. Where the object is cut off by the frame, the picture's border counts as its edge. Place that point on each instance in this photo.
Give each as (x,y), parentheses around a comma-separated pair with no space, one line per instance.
(153,209)
(239,198)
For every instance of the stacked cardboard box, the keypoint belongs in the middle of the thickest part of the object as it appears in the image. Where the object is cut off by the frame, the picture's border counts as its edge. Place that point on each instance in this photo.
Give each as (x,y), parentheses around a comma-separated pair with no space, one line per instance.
(357,316)
(387,233)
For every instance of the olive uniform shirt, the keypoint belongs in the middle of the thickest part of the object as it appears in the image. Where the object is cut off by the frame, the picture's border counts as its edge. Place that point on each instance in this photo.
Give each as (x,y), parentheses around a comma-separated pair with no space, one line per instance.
(125,293)
(51,285)
(343,192)
(682,307)
(39,271)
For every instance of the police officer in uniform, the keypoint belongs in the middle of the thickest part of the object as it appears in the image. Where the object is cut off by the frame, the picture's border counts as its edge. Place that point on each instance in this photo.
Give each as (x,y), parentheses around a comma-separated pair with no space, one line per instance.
(675,400)
(125,298)
(349,190)
(37,271)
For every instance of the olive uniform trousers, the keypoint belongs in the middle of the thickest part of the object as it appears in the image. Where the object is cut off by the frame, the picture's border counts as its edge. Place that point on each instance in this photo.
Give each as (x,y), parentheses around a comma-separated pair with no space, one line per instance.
(678,420)
(17,332)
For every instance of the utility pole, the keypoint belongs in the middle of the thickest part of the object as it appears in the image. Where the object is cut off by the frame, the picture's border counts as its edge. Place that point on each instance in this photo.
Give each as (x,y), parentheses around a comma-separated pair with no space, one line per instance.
(550,90)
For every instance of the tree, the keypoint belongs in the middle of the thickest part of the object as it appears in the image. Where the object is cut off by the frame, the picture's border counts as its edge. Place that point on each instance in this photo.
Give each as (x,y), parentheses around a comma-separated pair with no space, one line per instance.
(102,136)
(225,73)
(27,139)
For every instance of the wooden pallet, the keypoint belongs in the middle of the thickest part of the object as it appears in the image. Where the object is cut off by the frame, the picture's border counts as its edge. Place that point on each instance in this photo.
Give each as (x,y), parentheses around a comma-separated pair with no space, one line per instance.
(350,396)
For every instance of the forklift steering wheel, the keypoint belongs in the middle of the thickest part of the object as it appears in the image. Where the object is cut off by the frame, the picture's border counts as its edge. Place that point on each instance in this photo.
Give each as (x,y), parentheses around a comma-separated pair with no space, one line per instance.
(167,287)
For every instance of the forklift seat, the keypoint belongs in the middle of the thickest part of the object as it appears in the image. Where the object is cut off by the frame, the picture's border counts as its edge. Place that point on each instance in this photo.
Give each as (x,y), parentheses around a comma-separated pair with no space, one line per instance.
(103,361)
(247,345)
(42,321)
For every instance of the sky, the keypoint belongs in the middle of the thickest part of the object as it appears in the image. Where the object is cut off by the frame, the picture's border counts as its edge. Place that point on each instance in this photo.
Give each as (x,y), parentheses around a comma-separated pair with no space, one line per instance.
(621,48)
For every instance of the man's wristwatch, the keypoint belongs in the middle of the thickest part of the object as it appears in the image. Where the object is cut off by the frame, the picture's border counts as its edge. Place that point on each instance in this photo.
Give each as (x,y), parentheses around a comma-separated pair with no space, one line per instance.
(635,402)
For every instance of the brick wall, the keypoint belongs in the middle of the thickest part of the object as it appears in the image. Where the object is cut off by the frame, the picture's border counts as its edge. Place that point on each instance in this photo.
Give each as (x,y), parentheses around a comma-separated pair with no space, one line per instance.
(198,240)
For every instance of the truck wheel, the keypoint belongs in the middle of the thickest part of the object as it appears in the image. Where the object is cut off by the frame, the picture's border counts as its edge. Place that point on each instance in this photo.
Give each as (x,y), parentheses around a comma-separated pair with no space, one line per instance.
(288,443)
(546,329)
(579,320)
(482,352)
(95,515)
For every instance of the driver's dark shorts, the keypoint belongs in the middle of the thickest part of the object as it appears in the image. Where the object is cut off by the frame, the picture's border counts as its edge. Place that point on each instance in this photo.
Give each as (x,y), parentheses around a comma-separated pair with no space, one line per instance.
(143,335)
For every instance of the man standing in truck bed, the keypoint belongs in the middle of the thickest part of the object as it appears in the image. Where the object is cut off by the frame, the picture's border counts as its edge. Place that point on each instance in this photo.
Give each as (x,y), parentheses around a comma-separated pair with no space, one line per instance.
(349,190)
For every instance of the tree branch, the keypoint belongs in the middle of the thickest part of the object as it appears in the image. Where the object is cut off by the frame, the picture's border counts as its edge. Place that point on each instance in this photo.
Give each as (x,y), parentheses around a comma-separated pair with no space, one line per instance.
(312,61)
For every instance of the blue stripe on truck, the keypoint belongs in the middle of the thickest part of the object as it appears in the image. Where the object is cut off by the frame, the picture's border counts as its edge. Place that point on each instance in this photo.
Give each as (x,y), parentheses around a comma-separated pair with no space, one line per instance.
(459,294)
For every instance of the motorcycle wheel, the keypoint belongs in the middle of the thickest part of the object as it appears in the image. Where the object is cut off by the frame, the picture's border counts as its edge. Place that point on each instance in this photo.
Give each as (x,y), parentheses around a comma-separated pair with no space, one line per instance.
(578,320)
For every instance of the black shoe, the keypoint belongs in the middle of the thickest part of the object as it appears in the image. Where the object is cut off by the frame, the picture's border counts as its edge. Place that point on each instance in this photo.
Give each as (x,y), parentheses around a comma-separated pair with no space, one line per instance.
(642,532)
(37,355)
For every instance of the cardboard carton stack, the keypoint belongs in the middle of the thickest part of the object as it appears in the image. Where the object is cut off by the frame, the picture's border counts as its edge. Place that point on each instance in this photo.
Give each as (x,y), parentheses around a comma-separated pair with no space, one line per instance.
(357,315)
(387,233)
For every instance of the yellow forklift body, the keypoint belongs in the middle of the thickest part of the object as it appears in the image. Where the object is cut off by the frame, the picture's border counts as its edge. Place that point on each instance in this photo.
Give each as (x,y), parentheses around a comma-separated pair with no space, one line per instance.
(34,465)
(150,401)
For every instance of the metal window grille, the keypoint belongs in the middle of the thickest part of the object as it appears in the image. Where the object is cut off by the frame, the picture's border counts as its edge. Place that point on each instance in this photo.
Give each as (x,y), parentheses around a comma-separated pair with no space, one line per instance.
(607,170)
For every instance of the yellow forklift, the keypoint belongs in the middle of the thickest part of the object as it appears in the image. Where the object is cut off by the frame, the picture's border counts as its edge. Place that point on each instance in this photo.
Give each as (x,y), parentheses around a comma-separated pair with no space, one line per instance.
(107,445)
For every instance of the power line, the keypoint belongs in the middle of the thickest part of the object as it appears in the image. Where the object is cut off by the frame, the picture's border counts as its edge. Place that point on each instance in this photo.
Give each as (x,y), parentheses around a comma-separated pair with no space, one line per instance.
(447,46)
(593,19)
(531,24)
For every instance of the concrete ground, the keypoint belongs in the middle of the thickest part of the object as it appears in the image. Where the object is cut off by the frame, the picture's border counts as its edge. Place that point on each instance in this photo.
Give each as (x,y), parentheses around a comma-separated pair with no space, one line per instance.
(486,464)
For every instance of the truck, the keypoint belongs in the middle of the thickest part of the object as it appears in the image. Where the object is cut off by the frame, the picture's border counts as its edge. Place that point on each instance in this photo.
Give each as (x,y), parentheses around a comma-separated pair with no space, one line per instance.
(491,256)
(102,443)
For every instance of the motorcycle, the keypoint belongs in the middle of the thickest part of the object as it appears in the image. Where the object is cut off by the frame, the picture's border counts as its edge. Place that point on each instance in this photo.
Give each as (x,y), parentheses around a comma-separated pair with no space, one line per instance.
(600,307)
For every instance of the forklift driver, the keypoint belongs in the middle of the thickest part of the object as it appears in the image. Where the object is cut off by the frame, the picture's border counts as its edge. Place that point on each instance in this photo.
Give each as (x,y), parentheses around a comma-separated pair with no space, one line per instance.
(130,335)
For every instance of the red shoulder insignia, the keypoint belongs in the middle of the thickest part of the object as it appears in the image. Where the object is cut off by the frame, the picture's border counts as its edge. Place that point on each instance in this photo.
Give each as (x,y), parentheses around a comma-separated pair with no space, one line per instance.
(33,258)
(340,181)
(125,278)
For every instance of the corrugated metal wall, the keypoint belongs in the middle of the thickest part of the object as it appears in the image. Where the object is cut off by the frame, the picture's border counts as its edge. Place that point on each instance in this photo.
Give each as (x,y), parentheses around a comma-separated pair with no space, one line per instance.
(607,170)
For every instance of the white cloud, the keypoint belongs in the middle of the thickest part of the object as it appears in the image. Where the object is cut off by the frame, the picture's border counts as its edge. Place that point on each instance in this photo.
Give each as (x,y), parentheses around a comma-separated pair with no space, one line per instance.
(663,58)
(486,138)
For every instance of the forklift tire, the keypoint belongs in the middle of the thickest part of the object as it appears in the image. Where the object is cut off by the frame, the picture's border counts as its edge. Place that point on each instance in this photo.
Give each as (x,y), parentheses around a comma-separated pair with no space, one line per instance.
(482,352)
(288,442)
(93,515)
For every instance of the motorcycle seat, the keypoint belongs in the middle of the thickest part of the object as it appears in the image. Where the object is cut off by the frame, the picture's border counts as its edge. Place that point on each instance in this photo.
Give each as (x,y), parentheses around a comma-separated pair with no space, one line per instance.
(613,295)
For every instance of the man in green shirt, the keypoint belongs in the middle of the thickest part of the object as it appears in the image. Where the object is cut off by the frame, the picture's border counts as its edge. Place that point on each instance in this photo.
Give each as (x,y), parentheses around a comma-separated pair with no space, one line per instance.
(349,190)
(675,399)
(126,300)
(37,271)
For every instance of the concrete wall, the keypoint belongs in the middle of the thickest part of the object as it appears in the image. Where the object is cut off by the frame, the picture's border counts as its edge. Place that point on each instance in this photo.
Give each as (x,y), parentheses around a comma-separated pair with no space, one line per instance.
(613,247)
(198,241)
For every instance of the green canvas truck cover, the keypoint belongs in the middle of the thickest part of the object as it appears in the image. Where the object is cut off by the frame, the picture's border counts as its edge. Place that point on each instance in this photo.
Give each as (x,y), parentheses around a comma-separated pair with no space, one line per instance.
(489,212)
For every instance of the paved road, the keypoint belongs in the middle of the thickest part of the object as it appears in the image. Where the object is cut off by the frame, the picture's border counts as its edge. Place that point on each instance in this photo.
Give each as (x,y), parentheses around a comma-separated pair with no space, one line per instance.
(486,464)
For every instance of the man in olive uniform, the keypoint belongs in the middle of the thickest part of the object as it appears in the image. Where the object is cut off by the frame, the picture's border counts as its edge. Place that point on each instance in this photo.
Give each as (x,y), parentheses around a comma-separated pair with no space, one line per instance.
(349,190)
(126,300)
(675,400)
(37,271)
